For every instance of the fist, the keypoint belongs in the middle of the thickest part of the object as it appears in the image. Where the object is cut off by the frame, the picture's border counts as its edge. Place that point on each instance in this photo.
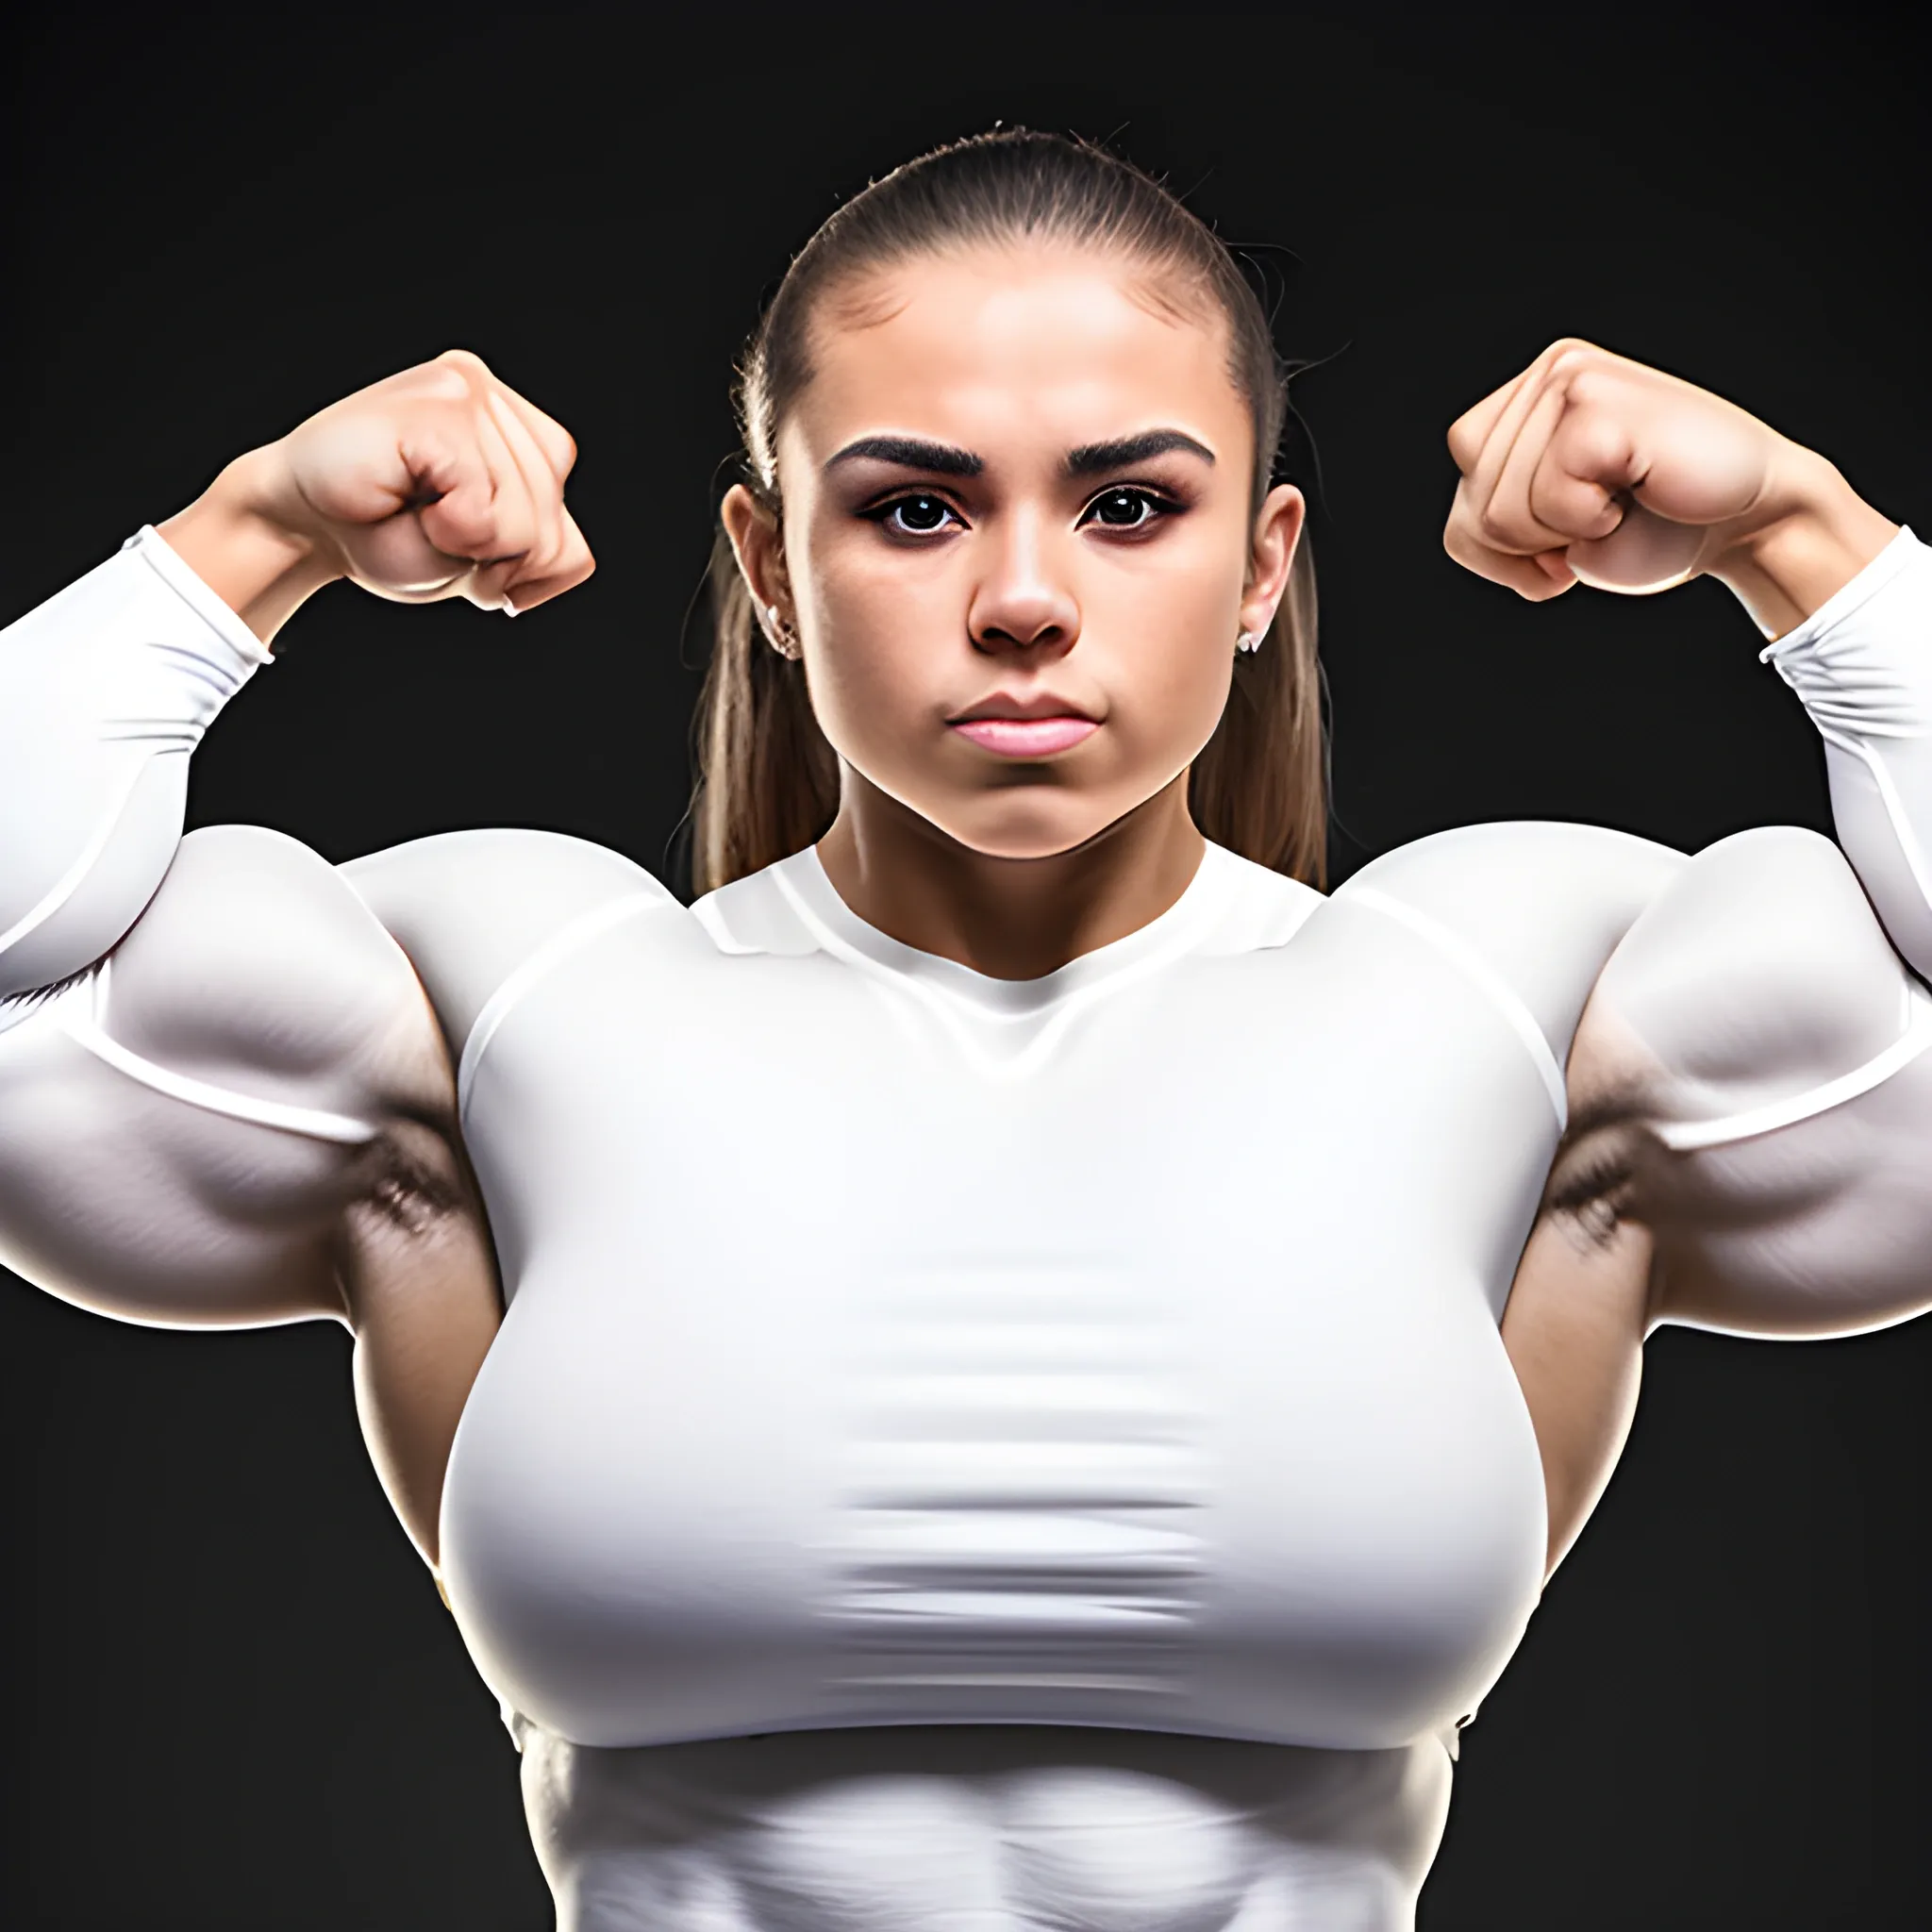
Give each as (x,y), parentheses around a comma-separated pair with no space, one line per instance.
(439,482)
(1589,467)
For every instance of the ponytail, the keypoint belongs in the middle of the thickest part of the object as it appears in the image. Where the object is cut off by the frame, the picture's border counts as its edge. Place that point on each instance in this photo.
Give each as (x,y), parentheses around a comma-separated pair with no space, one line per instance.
(1260,786)
(768,781)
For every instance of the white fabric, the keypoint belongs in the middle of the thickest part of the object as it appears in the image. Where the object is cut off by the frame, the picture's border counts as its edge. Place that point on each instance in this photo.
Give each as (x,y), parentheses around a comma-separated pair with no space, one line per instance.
(82,1015)
(979,1314)
(891,1346)
(1505,998)
(1863,668)
(1685,1137)
(107,686)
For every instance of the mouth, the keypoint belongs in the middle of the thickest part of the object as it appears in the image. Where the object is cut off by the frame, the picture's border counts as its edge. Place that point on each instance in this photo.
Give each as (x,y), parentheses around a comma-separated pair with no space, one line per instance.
(1026,737)
(1033,727)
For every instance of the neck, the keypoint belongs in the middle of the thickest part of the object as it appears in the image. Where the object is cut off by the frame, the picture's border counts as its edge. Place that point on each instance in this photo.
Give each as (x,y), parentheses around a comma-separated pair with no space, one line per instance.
(1008,918)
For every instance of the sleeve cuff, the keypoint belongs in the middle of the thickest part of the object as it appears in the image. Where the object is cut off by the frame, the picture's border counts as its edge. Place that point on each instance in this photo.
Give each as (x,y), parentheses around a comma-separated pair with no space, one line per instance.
(1892,561)
(155,550)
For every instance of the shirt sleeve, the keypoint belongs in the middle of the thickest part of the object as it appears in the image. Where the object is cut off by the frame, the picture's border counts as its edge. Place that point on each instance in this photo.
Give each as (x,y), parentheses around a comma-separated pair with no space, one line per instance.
(105,690)
(1861,665)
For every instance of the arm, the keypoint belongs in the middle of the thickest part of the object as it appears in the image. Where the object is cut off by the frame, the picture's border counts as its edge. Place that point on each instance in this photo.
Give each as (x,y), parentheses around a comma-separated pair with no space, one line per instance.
(1861,663)
(1591,468)
(1749,1104)
(223,1099)
(1753,1078)
(212,1056)
(1749,1121)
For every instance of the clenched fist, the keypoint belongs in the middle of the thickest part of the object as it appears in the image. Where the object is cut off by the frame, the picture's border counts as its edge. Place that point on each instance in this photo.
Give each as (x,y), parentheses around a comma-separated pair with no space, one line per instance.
(1591,467)
(439,482)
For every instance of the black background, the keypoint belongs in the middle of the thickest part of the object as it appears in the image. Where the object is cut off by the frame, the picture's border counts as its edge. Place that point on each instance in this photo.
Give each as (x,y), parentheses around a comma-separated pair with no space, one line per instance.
(232,1699)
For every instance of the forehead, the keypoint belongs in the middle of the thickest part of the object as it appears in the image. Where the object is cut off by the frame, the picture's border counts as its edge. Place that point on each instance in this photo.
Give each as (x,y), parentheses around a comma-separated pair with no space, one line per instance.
(1029,345)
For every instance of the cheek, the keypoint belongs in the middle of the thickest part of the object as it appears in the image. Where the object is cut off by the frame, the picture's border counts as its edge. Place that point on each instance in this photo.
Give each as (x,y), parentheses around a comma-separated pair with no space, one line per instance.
(1168,636)
(874,641)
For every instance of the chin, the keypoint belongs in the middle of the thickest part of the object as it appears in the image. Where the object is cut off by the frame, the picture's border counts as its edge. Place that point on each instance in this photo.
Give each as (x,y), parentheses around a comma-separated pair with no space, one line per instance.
(1016,826)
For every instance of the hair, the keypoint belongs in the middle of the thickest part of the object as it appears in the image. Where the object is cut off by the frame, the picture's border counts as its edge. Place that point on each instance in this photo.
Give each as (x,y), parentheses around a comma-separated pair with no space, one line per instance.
(768,780)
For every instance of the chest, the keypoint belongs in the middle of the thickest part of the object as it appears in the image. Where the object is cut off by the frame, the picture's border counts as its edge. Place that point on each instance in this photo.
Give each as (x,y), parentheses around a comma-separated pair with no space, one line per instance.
(1312,1114)
(940,1375)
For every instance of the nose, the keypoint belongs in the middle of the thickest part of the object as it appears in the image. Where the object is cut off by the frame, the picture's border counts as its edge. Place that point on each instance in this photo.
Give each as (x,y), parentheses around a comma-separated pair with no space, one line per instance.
(1022,602)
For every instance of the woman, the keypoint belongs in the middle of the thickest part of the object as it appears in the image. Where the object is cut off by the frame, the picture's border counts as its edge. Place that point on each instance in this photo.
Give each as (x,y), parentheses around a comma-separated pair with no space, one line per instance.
(978,1346)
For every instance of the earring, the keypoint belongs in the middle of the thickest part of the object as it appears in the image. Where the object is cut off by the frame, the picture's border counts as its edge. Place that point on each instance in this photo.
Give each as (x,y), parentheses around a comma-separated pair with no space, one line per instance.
(780,633)
(1248,640)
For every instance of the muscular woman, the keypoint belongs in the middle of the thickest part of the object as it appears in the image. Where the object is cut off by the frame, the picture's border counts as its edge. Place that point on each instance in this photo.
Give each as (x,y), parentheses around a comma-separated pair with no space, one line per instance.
(1016,1363)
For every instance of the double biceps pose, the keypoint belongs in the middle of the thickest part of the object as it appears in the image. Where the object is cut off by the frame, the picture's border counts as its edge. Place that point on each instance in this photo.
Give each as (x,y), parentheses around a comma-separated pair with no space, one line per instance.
(1015,1364)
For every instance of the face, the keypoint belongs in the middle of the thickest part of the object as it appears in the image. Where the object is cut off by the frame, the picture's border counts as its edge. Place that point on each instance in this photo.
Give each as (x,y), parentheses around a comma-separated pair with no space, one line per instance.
(1019,540)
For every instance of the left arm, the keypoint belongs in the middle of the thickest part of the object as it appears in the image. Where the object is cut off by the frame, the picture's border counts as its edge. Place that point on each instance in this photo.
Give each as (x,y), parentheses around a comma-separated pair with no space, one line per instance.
(1750,1125)
(1751,1106)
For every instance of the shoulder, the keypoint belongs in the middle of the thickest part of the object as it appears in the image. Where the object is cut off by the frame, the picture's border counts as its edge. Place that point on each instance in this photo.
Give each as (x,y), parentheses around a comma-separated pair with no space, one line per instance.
(472,908)
(1518,869)
(551,869)
(1537,905)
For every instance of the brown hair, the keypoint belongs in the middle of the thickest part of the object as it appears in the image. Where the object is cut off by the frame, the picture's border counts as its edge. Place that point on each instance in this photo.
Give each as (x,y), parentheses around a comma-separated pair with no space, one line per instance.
(768,782)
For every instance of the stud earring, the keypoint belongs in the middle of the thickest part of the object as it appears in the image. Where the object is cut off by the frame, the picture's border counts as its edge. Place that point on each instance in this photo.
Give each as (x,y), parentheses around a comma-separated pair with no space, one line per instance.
(780,633)
(1248,640)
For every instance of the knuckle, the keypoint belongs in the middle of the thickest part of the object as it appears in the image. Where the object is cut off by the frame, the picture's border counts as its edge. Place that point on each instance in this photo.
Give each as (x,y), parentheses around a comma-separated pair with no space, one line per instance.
(1590,386)
(440,380)
(1577,362)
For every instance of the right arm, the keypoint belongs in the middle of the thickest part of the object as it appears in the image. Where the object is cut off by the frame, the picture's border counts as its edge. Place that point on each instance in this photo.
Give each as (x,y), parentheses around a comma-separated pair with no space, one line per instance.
(224,1097)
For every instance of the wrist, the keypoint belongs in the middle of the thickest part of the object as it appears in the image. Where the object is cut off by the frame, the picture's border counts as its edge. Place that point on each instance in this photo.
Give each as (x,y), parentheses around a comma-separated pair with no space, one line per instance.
(1814,536)
(234,540)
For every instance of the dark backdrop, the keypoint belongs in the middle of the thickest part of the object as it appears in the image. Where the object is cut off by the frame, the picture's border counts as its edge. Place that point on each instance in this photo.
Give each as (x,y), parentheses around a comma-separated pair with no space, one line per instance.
(232,1697)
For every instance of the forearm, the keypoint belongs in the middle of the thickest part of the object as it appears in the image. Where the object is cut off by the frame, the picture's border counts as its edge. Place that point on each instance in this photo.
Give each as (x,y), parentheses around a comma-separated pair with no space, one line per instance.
(1861,663)
(105,690)
(250,556)
(1810,539)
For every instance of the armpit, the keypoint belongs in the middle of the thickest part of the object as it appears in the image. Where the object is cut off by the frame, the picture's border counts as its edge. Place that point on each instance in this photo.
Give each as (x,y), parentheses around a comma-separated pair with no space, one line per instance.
(1590,1190)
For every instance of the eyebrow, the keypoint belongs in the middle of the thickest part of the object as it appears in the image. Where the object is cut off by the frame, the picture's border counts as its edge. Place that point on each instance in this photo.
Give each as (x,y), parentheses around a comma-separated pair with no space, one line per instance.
(910,453)
(946,460)
(1093,456)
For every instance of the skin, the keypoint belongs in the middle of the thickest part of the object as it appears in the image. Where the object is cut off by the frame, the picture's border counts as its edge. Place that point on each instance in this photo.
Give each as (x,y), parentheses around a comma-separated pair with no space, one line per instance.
(1585,468)
(1018,357)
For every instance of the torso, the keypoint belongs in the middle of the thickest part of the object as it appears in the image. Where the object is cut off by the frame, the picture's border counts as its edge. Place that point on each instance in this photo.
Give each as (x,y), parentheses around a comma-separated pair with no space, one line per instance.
(888,1348)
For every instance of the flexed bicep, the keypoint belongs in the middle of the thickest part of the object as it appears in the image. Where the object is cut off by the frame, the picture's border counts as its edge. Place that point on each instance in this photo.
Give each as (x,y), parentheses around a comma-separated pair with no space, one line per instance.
(1756,1052)
(186,1127)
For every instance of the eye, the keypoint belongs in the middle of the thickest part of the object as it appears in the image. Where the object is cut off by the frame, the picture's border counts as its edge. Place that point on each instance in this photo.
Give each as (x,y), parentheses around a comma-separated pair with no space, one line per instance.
(919,515)
(1126,507)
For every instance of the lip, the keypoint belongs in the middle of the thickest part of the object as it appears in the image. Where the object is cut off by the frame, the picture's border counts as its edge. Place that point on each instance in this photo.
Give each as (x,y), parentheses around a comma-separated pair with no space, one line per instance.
(1003,703)
(1026,737)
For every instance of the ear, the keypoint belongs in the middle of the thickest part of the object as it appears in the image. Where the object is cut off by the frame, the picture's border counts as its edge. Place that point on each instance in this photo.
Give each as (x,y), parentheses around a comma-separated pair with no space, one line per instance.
(1277,531)
(759,549)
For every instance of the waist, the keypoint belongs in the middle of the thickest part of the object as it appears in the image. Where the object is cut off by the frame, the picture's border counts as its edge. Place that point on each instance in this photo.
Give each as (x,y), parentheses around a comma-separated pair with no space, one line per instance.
(982,1829)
